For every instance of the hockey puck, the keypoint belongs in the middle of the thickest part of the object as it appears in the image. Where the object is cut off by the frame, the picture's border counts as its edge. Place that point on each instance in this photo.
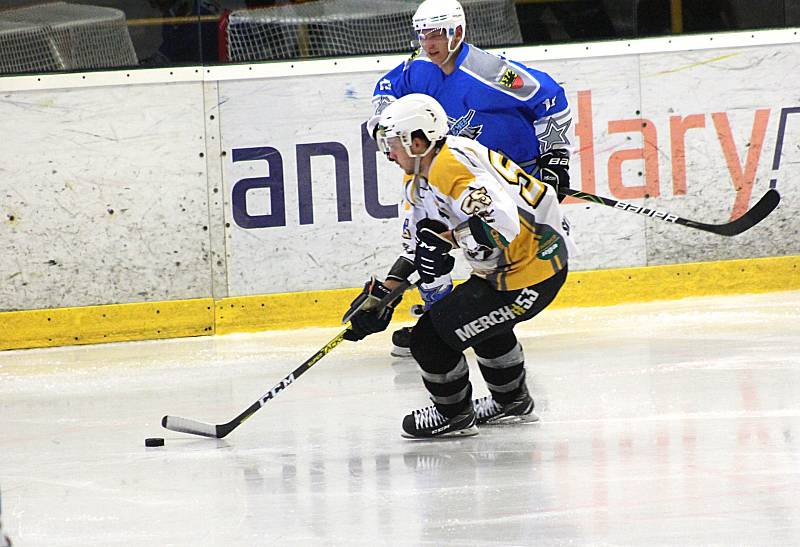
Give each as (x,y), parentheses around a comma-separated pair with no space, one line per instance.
(154,441)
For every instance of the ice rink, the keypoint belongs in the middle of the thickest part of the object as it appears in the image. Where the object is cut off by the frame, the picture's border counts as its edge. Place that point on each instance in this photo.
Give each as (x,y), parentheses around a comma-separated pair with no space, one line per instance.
(669,423)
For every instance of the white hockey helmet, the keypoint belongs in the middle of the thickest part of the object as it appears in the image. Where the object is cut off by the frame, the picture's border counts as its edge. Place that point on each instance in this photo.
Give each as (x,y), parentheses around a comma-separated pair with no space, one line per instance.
(408,114)
(441,14)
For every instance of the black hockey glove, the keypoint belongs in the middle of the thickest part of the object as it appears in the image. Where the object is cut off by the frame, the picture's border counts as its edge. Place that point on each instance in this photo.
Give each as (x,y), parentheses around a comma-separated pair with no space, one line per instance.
(364,317)
(554,170)
(432,255)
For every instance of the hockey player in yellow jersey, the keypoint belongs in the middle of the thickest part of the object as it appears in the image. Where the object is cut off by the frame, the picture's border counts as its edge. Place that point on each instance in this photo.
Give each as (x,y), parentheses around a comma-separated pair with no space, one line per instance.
(514,236)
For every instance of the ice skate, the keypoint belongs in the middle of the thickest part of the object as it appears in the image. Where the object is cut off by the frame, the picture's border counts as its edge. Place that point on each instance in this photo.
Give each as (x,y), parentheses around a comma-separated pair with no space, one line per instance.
(428,423)
(490,412)
(401,343)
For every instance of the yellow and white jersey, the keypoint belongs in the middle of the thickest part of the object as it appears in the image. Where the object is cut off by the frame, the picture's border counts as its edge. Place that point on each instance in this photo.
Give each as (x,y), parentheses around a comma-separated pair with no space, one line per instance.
(467,179)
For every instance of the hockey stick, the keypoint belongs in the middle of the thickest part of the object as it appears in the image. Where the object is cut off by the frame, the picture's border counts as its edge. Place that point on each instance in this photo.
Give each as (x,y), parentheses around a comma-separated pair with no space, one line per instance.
(218,431)
(753,216)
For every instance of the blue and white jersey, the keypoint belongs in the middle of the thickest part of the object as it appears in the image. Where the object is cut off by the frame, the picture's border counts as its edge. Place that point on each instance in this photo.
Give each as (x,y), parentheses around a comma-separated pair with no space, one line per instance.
(504,105)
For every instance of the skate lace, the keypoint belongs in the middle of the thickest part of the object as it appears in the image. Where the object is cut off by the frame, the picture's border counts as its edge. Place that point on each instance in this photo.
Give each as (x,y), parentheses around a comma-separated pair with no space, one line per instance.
(486,407)
(428,417)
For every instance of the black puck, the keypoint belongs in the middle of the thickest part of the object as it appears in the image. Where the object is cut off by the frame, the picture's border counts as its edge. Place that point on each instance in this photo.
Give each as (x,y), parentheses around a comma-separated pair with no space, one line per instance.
(154,441)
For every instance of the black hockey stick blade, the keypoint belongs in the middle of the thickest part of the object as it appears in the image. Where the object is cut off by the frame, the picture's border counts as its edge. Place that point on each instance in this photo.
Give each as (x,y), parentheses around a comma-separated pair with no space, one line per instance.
(219,431)
(758,212)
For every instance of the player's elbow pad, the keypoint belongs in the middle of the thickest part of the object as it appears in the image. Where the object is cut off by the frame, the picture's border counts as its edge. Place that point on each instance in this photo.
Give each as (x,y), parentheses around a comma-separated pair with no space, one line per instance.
(476,230)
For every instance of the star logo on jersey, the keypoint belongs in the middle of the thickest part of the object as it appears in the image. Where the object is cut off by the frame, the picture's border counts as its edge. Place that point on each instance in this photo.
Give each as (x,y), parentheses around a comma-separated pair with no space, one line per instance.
(461,127)
(511,79)
(382,102)
(554,133)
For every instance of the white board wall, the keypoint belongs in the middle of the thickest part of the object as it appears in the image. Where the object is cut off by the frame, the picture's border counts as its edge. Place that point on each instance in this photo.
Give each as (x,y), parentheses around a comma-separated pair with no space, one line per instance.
(104,196)
(227,185)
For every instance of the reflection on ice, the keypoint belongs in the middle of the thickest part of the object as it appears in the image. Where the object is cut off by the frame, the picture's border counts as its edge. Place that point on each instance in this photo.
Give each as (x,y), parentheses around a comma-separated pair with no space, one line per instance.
(666,423)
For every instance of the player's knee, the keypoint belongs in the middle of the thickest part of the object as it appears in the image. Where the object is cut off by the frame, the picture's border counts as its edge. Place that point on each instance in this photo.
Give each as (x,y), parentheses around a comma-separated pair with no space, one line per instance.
(512,358)
(504,373)
(503,347)
(430,351)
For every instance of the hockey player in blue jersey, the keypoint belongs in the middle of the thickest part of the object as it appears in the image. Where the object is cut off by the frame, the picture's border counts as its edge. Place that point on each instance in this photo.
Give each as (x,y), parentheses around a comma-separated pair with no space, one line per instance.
(508,107)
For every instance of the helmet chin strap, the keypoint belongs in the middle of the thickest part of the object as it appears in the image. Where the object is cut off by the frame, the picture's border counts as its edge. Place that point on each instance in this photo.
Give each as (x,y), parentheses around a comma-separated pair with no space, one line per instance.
(452,51)
(414,190)
(418,163)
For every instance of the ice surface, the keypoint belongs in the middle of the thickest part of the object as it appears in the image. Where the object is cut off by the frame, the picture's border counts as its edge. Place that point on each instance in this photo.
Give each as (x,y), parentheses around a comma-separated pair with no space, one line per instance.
(670,423)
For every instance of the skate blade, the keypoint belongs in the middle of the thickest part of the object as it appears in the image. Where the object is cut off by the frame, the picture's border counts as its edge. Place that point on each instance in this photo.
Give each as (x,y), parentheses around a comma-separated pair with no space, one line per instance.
(467,432)
(402,353)
(511,420)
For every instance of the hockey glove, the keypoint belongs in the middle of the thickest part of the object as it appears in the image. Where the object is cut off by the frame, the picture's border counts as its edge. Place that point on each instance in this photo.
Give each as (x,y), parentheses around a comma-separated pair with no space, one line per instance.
(364,316)
(431,257)
(554,170)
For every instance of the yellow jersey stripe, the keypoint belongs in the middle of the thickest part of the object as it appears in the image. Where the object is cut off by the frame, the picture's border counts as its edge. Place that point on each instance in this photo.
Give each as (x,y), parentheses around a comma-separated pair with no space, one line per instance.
(449,175)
